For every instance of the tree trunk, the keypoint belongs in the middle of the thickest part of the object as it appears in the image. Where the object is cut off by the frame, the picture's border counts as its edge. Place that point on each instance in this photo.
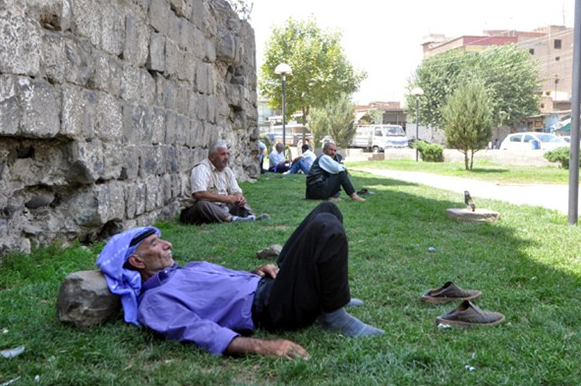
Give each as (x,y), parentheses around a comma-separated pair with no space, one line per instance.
(466,160)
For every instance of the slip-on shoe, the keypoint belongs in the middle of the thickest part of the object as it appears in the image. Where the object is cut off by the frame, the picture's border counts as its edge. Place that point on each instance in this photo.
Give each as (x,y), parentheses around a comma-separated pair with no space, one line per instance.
(468,314)
(449,292)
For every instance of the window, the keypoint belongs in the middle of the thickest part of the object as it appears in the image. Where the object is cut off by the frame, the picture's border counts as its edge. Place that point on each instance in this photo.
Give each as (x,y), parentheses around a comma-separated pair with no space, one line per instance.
(378,133)
(557,44)
(516,138)
(531,51)
(557,58)
(528,138)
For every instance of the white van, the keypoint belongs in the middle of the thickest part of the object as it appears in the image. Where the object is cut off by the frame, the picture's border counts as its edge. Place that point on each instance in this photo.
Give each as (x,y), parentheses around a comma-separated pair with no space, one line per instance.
(379,137)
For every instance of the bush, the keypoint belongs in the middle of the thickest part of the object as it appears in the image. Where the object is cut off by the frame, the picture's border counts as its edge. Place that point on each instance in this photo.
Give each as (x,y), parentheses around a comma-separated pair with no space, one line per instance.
(561,155)
(430,152)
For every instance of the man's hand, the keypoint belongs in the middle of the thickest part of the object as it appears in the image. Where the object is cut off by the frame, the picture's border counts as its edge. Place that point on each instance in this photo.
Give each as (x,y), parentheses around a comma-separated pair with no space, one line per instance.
(268,270)
(279,348)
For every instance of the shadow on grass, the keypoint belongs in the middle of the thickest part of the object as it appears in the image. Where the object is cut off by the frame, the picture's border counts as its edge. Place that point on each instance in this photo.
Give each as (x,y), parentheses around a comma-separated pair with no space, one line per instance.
(524,264)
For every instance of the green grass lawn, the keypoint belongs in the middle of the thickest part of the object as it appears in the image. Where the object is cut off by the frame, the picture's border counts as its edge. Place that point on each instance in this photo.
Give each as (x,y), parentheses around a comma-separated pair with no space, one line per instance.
(527,265)
(483,170)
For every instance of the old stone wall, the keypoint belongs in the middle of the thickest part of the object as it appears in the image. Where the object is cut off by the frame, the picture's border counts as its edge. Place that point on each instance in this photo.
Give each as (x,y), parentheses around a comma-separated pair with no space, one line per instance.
(106,105)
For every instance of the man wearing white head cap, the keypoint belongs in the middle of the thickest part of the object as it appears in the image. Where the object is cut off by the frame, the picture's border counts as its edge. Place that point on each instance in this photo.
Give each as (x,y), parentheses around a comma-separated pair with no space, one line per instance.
(212,306)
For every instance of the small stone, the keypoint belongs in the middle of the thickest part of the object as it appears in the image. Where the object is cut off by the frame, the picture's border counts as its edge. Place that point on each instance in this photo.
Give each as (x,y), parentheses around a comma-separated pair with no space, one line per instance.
(271,252)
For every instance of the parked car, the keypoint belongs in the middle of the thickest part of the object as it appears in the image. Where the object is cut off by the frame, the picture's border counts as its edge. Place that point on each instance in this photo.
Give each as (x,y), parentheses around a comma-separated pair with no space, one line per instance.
(532,141)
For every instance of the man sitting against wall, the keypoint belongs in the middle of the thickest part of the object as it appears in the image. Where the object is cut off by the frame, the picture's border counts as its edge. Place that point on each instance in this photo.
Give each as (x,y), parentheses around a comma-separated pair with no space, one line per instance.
(214,194)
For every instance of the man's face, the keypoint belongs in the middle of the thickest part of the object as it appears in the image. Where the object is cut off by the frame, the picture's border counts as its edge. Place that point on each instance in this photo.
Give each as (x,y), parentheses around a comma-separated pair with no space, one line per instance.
(219,158)
(155,254)
(330,150)
(279,147)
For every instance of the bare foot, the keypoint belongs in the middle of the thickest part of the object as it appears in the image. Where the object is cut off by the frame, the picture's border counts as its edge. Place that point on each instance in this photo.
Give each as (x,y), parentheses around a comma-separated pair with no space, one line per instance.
(355,197)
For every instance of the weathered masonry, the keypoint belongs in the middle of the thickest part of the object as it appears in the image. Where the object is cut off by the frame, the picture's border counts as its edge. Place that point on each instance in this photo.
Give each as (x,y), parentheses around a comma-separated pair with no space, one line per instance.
(106,105)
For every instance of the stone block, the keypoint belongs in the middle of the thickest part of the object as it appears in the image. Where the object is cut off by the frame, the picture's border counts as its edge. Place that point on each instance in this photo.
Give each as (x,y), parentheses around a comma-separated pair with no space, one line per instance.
(113,161)
(83,207)
(133,124)
(52,15)
(170,159)
(109,124)
(130,86)
(156,58)
(86,162)
(85,300)
(182,129)
(53,57)
(227,49)
(79,112)
(110,201)
(141,191)
(77,61)
(21,45)
(158,124)
(170,127)
(107,75)
(135,49)
(41,105)
(113,31)
(173,58)
(130,169)
(205,79)
(478,216)
(86,16)
(159,16)
(151,161)
(9,107)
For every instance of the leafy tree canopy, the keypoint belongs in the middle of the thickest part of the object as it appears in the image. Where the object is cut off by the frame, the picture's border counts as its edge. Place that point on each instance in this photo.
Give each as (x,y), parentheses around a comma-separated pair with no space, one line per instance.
(509,74)
(320,69)
(335,119)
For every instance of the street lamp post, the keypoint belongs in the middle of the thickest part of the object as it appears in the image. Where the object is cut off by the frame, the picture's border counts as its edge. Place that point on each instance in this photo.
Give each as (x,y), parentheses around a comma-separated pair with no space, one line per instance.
(283,69)
(417,93)
(555,98)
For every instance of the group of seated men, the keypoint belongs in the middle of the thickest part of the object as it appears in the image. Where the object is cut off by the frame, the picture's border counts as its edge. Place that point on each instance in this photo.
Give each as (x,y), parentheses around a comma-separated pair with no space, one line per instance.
(216,308)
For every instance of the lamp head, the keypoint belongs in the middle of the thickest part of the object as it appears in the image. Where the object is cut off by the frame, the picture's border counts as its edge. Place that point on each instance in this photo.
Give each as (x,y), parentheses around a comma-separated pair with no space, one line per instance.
(283,69)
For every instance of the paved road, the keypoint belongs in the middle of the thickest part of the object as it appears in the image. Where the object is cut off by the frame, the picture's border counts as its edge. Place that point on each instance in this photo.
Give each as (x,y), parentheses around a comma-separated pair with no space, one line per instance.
(548,196)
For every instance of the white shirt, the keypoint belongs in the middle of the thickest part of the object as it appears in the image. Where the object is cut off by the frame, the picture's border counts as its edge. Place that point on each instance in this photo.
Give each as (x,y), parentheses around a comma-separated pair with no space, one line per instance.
(309,157)
(275,158)
(329,165)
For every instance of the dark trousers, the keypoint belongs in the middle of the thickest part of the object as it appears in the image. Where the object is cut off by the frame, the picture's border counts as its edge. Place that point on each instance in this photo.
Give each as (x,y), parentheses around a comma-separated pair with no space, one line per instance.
(203,212)
(330,187)
(313,274)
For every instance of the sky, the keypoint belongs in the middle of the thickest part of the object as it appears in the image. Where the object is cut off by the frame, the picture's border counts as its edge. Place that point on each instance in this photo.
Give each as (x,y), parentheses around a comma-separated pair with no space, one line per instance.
(383,37)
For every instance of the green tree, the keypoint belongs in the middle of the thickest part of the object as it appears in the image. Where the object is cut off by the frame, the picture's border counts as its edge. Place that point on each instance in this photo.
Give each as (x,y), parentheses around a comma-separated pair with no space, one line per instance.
(335,119)
(509,74)
(320,69)
(467,118)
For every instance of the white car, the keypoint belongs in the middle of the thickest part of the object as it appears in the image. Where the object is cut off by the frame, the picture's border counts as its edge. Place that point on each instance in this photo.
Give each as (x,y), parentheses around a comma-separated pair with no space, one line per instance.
(532,141)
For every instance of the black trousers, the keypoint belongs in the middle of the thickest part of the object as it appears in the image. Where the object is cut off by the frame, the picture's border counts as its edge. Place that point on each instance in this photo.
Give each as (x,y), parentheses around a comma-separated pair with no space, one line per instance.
(204,212)
(330,187)
(313,274)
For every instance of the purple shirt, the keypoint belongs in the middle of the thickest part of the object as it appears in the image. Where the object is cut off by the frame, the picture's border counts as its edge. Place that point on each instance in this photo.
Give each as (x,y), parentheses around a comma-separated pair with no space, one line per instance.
(201,303)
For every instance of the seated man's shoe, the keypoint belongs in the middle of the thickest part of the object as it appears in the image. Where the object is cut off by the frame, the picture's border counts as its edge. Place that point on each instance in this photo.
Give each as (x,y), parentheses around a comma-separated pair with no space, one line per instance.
(286,173)
(468,314)
(263,216)
(449,292)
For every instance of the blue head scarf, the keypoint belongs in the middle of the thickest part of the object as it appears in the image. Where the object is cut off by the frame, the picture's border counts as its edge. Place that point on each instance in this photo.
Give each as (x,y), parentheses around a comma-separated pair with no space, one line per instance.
(121,281)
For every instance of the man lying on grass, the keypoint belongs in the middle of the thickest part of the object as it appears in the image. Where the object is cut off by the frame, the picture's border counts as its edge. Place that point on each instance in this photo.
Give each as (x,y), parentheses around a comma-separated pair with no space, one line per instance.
(216,308)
